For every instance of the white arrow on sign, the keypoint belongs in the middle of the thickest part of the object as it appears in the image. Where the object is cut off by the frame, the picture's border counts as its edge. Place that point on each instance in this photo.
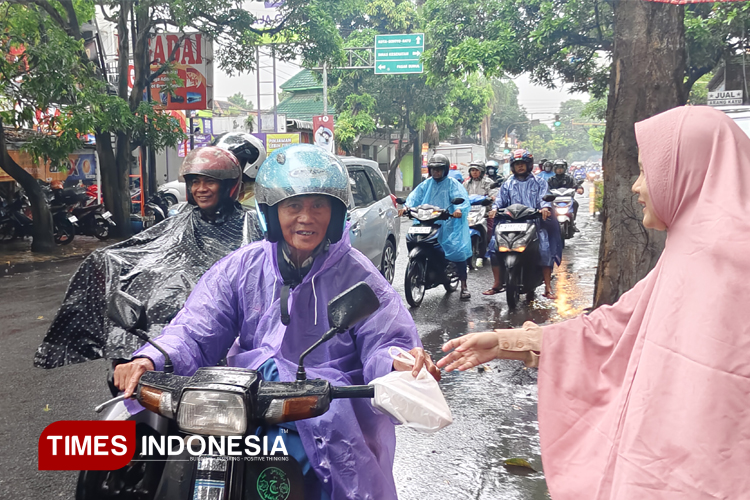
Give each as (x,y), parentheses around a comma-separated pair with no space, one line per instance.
(382,66)
(419,38)
(416,53)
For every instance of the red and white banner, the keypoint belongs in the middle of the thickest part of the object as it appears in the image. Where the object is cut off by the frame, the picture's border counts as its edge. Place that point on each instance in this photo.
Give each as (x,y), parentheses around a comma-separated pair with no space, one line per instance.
(323,130)
(87,445)
(193,63)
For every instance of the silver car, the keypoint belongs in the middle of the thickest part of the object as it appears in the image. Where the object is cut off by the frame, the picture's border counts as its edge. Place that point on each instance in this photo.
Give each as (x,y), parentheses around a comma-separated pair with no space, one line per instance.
(375,228)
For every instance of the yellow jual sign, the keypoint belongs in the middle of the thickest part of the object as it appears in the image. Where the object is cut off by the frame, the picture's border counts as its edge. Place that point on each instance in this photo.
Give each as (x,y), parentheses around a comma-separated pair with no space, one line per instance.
(276,141)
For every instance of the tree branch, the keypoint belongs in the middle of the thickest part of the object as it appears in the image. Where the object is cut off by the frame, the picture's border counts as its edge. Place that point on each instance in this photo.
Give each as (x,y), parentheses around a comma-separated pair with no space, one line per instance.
(156,74)
(47,7)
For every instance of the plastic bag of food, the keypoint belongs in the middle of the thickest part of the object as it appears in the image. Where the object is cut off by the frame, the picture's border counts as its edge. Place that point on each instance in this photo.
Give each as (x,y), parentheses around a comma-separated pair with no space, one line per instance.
(417,403)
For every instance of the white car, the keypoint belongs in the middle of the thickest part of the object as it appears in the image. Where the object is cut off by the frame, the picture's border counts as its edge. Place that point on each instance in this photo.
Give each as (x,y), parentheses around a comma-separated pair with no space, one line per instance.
(174,192)
(740,114)
(375,227)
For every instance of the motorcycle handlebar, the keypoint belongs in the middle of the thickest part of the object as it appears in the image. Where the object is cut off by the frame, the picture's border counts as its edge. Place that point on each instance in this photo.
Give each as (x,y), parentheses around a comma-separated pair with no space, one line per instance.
(352,391)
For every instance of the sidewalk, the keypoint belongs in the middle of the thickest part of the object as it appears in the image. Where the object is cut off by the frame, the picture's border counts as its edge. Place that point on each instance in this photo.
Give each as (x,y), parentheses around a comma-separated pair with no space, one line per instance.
(17,257)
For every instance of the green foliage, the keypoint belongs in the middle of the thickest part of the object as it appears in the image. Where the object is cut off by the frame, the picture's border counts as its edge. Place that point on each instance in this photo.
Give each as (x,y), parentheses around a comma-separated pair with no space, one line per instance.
(507,114)
(570,141)
(568,40)
(699,92)
(366,101)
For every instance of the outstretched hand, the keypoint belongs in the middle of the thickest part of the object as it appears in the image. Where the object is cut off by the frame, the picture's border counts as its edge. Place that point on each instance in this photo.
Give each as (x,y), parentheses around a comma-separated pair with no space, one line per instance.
(421,359)
(475,349)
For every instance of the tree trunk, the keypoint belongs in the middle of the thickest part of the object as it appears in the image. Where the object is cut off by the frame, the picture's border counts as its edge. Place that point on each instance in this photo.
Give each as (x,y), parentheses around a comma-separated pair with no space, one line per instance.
(43,238)
(648,65)
(400,153)
(114,184)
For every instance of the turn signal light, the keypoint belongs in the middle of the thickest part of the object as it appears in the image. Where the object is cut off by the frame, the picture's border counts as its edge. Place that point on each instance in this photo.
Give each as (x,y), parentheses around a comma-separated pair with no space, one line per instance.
(503,249)
(519,249)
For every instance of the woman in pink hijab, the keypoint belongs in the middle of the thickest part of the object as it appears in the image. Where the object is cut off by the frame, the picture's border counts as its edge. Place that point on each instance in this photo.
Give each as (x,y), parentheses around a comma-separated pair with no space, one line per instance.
(650,397)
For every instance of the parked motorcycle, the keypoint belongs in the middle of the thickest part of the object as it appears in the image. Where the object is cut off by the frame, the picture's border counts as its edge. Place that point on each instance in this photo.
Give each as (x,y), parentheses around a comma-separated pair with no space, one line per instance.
(93,220)
(427,267)
(564,212)
(478,228)
(218,401)
(517,242)
(14,223)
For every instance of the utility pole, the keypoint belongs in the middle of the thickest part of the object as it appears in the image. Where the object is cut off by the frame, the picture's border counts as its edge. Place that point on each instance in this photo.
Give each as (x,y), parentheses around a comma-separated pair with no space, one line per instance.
(325,89)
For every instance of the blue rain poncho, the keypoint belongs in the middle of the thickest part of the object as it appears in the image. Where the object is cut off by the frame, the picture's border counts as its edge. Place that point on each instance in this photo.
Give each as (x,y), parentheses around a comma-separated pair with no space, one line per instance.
(529,192)
(235,311)
(454,237)
(546,175)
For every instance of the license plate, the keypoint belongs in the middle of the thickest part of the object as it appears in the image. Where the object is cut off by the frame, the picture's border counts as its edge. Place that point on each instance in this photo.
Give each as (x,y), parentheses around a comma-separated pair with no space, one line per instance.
(72,218)
(107,215)
(420,230)
(510,228)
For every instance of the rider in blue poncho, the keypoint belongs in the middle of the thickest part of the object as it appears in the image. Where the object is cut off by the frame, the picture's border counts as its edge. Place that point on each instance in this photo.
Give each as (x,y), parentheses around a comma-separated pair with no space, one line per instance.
(525,188)
(546,170)
(454,238)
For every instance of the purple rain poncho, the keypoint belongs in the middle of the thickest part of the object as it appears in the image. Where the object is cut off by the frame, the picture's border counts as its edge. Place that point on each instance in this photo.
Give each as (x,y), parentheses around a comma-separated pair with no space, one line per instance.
(454,237)
(236,304)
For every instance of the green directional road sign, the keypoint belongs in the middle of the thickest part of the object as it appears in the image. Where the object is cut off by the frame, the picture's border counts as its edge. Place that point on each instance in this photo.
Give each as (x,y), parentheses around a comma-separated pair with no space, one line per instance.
(398,54)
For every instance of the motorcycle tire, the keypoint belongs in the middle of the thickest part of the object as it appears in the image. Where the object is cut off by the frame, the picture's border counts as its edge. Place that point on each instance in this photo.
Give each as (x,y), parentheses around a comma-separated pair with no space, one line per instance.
(170,199)
(65,231)
(452,284)
(414,282)
(513,288)
(101,228)
(474,253)
(8,231)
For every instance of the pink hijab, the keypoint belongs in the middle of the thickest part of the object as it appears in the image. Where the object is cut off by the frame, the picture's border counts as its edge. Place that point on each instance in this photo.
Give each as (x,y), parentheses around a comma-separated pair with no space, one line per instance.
(650,398)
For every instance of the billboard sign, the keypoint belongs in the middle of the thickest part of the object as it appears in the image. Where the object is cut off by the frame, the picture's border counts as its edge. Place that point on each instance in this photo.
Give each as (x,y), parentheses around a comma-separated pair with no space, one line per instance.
(725,97)
(80,166)
(193,63)
(399,54)
(276,141)
(323,130)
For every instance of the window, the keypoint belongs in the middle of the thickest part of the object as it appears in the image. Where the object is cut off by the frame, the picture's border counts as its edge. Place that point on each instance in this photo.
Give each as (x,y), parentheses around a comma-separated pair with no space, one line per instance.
(381,190)
(361,189)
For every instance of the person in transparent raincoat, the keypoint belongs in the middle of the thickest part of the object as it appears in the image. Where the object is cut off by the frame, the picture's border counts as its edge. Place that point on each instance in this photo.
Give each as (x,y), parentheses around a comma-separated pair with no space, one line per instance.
(158,266)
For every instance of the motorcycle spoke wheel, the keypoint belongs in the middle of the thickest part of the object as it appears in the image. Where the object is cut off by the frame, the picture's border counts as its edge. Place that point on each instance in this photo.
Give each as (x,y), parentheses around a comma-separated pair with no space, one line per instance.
(414,286)
(7,232)
(101,228)
(452,283)
(64,232)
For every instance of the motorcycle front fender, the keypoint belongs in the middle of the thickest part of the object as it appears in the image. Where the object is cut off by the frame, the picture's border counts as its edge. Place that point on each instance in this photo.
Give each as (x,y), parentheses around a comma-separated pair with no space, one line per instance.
(511,259)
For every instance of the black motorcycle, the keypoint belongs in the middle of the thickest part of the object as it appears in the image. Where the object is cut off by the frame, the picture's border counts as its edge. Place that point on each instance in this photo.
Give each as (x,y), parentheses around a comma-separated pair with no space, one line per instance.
(218,401)
(16,221)
(517,244)
(427,267)
(93,220)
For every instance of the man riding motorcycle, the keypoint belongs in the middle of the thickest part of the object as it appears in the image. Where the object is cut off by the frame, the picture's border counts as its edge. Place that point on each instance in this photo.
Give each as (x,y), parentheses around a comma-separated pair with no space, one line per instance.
(492,170)
(265,304)
(527,189)
(547,170)
(439,190)
(478,183)
(158,266)
(562,180)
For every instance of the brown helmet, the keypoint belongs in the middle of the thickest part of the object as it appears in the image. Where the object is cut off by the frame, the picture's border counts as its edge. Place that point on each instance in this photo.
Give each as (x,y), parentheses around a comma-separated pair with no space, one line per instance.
(216,163)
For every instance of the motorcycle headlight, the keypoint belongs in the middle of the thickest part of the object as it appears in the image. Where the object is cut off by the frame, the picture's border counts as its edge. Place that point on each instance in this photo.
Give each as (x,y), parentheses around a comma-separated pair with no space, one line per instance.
(214,413)
(424,214)
(561,210)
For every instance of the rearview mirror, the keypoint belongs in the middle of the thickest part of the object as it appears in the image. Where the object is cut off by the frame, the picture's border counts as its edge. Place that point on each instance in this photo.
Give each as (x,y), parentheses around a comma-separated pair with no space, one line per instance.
(352,306)
(400,201)
(549,197)
(487,202)
(457,201)
(126,311)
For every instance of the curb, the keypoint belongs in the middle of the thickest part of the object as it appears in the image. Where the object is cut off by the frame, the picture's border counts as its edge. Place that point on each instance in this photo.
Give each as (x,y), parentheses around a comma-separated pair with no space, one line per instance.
(9,268)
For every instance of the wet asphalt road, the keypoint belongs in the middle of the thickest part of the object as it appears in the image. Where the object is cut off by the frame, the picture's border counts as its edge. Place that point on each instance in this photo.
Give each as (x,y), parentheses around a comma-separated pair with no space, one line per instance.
(494,411)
